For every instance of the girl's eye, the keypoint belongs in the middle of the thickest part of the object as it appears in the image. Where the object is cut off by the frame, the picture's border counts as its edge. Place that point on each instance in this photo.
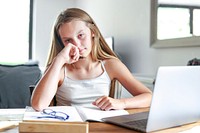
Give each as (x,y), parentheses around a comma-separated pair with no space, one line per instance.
(81,35)
(67,41)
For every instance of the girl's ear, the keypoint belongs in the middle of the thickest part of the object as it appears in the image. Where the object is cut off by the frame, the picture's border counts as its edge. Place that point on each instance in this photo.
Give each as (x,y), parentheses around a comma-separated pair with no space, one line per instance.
(92,34)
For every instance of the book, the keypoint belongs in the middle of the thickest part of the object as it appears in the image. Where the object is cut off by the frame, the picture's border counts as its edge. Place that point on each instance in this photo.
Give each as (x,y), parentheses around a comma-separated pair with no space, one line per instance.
(70,114)
(4,125)
(66,119)
(95,114)
(10,118)
(12,114)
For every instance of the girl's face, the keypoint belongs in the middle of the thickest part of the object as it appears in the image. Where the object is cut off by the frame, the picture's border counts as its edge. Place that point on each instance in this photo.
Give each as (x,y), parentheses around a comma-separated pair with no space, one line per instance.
(77,33)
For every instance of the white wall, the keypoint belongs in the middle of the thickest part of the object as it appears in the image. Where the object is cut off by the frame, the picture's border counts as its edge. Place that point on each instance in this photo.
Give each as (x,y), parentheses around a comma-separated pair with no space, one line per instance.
(45,13)
(127,20)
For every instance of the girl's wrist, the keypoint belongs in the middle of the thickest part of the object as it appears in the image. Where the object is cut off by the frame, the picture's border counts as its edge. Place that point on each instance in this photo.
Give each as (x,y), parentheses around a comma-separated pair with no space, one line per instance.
(58,61)
(62,59)
(123,103)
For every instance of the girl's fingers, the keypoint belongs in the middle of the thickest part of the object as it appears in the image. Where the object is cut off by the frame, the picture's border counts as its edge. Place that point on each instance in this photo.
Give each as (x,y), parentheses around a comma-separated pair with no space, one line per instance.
(103,103)
(97,101)
(74,54)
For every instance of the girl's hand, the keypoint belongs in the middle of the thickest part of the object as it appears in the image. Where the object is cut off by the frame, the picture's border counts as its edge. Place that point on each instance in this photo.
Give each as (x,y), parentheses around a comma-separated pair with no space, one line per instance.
(70,54)
(108,103)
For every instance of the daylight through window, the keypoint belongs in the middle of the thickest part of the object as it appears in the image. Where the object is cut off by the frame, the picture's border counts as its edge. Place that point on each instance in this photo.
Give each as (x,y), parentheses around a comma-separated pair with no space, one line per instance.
(177,19)
(14,33)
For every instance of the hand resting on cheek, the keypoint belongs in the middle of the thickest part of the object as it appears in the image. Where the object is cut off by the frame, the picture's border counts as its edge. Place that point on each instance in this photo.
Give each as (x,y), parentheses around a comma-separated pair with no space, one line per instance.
(70,54)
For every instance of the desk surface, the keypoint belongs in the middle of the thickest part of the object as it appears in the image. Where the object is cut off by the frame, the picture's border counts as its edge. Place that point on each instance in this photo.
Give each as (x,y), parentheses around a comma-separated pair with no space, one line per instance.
(98,127)
(95,127)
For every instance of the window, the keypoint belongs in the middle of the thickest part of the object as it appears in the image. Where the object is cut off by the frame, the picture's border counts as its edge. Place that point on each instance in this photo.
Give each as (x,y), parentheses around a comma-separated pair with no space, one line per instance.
(196,22)
(15,36)
(193,38)
(178,19)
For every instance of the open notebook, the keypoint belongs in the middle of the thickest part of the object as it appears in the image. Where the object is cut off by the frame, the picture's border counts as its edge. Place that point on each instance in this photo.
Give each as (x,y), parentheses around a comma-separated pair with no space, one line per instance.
(175,101)
(70,114)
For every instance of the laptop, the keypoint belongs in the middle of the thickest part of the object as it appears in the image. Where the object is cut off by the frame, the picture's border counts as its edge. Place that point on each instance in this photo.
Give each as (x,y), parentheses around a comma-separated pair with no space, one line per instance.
(175,101)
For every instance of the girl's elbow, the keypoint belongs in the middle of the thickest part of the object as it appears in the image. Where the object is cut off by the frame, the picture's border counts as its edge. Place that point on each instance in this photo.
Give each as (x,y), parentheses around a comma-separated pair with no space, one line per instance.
(36,105)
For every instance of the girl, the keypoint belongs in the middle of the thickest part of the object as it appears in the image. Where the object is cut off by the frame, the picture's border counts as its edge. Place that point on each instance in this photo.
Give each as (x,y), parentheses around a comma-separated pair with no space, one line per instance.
(81,66)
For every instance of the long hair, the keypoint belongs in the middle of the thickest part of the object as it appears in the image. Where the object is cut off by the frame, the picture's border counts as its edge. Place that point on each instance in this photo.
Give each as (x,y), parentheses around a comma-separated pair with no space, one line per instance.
(100,49)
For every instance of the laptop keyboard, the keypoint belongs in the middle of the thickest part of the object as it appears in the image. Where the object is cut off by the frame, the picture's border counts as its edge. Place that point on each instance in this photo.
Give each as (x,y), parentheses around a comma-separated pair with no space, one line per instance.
(139,124)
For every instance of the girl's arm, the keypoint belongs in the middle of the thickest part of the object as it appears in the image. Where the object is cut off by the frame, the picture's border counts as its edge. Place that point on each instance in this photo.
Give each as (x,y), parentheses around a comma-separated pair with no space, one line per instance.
(47,86)
(53,77)
(142,95)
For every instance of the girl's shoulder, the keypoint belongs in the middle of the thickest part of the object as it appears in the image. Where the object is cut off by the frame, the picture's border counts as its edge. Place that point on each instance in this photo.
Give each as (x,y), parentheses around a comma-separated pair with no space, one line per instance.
(111,61)
(113,66)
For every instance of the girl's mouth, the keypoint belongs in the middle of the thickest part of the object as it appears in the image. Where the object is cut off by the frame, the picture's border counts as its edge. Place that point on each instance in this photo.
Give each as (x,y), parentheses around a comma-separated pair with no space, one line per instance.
(82,50)
(81,57)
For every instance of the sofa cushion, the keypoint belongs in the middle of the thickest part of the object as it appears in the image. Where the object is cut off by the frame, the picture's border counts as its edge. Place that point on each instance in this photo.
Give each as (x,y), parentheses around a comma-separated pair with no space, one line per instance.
(14,84)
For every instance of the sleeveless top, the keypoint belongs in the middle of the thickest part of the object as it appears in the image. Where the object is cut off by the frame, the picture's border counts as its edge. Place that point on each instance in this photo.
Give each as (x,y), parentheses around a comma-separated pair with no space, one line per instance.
(83,92)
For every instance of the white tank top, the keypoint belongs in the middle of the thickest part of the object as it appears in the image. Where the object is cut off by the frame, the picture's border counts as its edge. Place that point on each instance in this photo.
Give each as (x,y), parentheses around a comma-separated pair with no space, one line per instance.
(83,92)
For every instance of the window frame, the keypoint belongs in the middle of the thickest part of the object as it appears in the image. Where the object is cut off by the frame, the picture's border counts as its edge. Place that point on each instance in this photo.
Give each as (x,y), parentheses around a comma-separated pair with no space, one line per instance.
(193,41)
(30,54)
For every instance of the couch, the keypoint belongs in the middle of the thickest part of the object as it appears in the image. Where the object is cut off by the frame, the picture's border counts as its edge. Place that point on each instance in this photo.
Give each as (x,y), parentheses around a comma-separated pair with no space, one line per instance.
(14,84)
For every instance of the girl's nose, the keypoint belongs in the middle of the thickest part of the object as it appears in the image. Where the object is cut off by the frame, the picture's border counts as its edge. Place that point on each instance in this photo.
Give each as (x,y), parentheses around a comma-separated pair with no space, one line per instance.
(77,43)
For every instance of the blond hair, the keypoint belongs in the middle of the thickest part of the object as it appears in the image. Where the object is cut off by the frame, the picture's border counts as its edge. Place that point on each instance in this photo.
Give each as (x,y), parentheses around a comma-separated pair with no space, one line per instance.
(100,49)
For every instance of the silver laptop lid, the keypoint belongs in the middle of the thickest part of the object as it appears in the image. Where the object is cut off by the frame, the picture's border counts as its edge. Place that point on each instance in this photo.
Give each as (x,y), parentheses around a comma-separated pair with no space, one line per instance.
(176,97)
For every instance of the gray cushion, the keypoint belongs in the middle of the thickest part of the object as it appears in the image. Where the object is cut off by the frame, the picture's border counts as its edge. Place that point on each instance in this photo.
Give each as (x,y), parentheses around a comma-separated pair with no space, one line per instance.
(14,84)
